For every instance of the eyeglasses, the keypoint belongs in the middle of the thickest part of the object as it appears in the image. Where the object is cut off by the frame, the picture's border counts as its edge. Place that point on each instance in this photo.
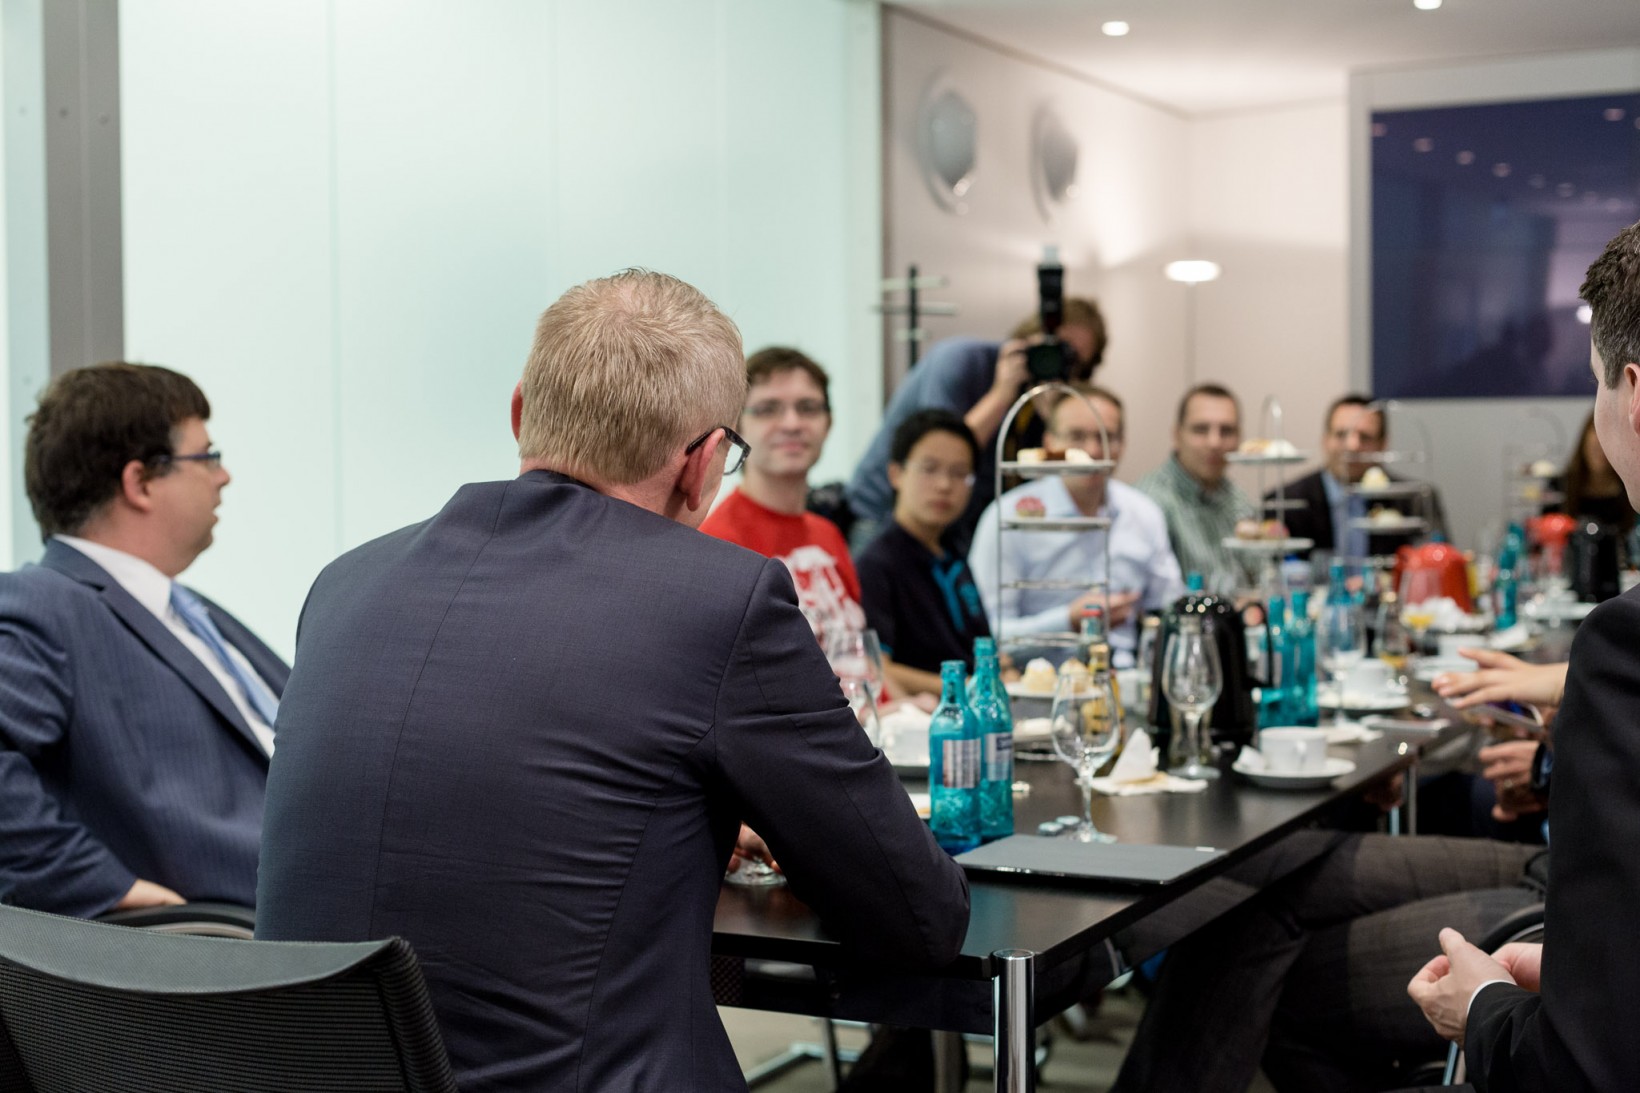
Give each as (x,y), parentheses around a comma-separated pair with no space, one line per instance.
(211,459)
(808,408)
(736,459)
(956,475)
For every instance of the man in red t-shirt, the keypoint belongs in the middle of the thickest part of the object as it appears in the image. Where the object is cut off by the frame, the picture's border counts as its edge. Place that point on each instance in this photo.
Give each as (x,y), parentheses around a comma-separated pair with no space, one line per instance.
(785,420)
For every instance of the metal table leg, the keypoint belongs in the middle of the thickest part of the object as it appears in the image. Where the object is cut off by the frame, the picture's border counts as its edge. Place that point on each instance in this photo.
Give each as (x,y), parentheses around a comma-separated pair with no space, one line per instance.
(1409,799)
(1015,1016)
(948,1053)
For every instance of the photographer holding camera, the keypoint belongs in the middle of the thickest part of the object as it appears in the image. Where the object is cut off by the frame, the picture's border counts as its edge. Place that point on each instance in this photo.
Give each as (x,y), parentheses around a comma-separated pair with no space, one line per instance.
(980,380)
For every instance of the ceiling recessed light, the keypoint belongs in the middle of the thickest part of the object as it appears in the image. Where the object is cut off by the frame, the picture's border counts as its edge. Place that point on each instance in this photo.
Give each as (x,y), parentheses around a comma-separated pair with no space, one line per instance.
(1501,170)
(1426,5)
(1423,144)
(1465,158)
(1116,28)
(1585,314)
(1615,113)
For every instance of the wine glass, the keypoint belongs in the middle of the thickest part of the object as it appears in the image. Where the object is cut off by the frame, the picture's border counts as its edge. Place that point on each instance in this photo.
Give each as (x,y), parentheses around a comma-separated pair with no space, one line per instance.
(1420,588)
(1086,723)
(857,654)
(1192,680)
(863,704)
(1341,641)
(754,874)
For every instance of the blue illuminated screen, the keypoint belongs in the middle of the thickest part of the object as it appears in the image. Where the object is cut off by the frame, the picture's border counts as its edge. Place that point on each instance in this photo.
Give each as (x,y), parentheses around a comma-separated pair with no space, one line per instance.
(1484,219)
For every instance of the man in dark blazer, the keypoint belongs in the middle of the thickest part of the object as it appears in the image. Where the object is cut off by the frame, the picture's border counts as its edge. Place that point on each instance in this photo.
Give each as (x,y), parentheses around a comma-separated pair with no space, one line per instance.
(133,759)
(524,734)
(1556,1016)
(1354,426)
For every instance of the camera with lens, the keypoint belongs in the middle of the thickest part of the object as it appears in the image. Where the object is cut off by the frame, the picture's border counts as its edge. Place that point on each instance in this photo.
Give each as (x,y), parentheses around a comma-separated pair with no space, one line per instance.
(1051,360)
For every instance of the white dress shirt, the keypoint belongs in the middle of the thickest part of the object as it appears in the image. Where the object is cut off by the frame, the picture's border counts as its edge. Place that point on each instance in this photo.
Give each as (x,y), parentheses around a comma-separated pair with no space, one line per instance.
(1141,560)
(151,588)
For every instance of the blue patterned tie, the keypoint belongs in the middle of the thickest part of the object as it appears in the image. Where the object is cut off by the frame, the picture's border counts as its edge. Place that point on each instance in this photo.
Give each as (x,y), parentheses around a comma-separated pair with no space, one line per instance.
(193,613)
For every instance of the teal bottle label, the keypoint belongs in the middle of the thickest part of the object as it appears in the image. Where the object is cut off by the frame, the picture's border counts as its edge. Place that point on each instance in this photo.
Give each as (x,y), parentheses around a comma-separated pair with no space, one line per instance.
(999,757)
(959,763)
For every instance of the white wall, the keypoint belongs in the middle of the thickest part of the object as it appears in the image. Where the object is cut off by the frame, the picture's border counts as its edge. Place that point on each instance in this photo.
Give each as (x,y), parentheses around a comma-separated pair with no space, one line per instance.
(1127,219)
(1269,202)
(343,217)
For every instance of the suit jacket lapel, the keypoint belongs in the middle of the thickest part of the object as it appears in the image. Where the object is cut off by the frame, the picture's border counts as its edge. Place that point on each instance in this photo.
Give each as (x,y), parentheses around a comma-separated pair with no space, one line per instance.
(141,621)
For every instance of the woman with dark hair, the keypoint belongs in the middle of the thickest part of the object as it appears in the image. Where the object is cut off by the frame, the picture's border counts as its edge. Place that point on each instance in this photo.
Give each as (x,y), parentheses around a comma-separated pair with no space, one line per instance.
(1592,488)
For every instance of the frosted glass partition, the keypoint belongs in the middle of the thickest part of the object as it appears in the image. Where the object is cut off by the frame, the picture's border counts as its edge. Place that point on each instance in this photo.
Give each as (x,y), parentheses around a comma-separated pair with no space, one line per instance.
(342,218)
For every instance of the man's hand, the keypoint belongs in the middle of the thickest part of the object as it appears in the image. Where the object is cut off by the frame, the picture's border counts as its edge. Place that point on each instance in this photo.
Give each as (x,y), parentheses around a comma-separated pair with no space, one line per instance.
(1508,766)
(145,893)
(1523,960)
(1502,678)
(1443,987)
(1011,371)
(750,847)
(1118,608)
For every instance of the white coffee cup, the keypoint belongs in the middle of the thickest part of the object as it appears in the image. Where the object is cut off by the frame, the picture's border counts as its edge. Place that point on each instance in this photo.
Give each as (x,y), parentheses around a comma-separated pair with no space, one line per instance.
(1449,644)
(1295,749)
(1367,677)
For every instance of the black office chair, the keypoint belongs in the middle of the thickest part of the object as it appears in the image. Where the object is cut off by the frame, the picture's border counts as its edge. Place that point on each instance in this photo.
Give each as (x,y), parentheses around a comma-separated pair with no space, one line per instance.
(203,919)
(89,1006)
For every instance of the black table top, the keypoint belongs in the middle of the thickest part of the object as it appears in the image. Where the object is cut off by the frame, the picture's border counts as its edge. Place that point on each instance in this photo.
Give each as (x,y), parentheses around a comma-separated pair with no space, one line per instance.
(1059,920)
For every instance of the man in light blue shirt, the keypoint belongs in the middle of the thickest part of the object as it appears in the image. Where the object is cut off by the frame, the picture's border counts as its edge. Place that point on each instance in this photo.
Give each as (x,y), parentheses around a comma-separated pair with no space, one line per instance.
(1143,573)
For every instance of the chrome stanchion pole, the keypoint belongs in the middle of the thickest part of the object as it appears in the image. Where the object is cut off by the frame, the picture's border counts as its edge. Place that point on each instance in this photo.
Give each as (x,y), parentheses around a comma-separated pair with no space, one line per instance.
(1015,1020)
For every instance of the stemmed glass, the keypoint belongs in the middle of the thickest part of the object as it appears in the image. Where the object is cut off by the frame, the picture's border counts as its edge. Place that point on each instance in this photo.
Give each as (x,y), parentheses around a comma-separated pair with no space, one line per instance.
(1086,724)
(863,704)
(1341,641)
(1192,680)
(1420,588)
(857,658)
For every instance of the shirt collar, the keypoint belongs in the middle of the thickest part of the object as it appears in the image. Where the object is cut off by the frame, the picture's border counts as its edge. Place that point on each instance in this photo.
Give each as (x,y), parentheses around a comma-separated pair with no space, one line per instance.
(1186,484)
(1334,488)
(147,585)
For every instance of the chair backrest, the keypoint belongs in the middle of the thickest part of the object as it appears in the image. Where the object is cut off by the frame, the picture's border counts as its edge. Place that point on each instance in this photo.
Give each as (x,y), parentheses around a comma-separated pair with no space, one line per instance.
(87,1006)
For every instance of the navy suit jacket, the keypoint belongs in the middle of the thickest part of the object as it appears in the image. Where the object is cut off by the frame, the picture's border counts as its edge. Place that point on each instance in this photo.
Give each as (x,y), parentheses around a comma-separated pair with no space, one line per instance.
(523,734)
(1575,1035)
(120,754)
(1314,520)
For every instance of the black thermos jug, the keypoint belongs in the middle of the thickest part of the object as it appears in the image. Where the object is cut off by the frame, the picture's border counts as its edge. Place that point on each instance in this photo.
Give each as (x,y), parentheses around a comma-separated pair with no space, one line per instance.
(1595,552)
(1233,719)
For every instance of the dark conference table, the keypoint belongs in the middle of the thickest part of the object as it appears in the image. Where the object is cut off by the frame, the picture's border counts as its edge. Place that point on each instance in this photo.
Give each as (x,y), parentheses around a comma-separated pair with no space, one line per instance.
(1046,942)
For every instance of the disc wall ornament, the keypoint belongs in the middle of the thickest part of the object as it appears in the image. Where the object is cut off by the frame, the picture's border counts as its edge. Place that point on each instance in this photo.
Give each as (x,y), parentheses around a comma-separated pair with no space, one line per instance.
(1054,154)
(947,135)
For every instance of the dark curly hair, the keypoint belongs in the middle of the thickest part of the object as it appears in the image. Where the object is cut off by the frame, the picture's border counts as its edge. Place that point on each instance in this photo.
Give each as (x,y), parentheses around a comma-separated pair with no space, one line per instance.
(90,423)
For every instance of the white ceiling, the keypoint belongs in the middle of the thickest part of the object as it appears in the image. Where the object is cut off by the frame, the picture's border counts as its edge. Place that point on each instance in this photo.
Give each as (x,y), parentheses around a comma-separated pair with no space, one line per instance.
(1205,56)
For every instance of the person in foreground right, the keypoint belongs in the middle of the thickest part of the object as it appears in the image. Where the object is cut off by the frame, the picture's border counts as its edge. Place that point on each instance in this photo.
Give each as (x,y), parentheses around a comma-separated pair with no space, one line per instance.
(524,733)
(1556,1016)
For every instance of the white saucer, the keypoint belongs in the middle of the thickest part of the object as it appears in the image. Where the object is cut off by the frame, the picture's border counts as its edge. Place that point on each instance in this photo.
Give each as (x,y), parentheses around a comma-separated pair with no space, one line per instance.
(1355,702)
(1430,667)
(1336,768)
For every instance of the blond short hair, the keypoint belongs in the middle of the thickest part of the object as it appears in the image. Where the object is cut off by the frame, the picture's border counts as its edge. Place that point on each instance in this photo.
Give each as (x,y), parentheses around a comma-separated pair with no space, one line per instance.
(624,372)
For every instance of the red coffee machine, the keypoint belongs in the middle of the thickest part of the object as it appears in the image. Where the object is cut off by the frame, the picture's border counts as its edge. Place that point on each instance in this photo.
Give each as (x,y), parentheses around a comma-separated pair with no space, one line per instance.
(1443,559)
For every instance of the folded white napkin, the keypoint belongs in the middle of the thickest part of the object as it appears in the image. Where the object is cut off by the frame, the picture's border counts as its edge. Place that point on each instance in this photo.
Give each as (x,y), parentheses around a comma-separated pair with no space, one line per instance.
(905,735)
(1135,772)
